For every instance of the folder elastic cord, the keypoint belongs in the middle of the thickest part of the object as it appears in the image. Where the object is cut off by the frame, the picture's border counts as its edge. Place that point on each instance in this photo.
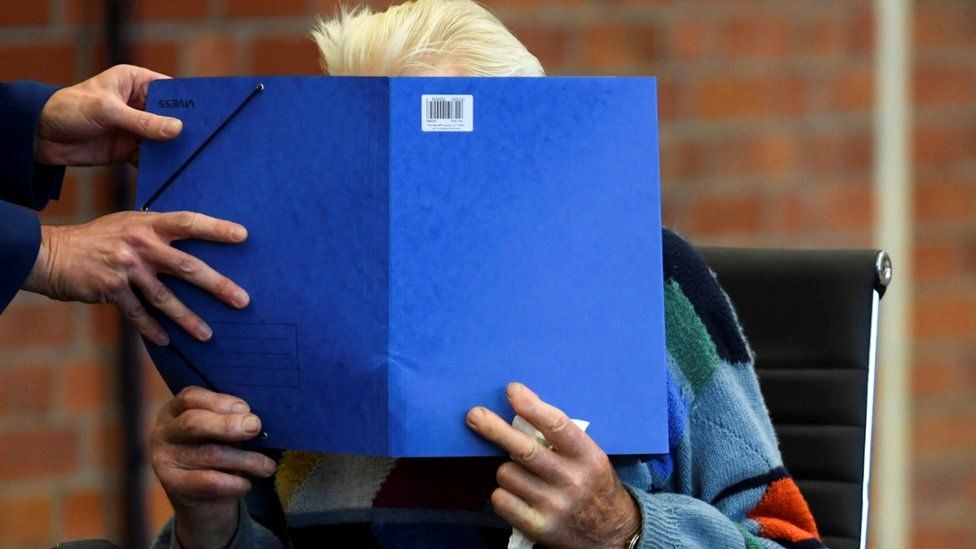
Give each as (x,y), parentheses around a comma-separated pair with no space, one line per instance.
(169,181)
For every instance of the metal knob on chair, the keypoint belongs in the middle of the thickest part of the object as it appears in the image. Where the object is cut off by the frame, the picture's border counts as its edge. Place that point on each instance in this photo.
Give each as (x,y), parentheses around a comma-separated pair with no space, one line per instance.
(882,267)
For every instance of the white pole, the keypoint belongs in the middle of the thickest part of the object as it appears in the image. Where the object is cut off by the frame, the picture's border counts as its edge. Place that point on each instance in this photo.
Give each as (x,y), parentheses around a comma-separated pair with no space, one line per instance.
(893,227)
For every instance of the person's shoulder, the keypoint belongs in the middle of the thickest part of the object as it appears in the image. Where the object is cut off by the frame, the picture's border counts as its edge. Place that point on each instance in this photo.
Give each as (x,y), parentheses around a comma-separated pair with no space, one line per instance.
(693,296)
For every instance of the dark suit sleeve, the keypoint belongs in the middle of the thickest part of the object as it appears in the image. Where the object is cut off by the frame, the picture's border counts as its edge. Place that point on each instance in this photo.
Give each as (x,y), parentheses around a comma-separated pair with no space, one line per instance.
(20,238)
(23,183)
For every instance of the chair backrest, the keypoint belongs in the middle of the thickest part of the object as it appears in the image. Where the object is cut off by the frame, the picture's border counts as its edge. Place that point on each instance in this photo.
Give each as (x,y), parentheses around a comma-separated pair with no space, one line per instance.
(811,319)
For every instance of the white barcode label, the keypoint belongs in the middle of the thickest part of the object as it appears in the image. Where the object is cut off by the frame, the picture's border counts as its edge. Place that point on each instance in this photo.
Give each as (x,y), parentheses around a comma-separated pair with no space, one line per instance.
(447,113)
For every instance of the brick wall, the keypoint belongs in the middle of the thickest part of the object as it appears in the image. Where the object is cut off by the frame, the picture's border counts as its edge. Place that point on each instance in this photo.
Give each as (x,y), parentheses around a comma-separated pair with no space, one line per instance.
(766,120)
(944,381)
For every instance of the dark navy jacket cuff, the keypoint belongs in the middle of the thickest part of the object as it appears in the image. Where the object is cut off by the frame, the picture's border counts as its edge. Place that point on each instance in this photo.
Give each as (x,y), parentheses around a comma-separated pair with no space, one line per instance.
(22,180)
(20,239)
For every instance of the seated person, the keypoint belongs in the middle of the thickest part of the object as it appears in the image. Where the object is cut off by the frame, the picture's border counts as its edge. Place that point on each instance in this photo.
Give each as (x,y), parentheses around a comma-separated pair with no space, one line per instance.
(722,485)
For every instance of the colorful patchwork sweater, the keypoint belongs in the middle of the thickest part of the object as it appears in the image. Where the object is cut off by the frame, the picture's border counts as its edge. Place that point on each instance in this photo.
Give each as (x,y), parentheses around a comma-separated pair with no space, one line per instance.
(723,483)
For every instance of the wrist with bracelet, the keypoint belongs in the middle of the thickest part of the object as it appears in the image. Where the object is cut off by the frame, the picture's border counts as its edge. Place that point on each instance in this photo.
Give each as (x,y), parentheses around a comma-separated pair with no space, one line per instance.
(633,541)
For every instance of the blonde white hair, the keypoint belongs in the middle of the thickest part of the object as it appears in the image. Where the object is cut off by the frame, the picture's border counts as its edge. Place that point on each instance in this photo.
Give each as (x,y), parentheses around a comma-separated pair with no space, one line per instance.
(422,37)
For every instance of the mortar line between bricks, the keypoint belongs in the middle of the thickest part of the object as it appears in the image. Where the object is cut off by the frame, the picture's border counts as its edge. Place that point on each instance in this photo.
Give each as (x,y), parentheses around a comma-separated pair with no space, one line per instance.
(35,35)
(958,350)
(965,461)
(656,13)
(811,125)
(59,13)
(948,115)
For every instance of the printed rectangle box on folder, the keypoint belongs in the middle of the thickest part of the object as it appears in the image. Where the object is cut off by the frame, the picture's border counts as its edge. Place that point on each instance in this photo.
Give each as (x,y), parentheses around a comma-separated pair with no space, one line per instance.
(414,245)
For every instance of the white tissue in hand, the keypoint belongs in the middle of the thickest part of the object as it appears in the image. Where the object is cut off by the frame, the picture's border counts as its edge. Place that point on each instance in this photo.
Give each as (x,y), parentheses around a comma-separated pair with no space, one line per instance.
(518,540)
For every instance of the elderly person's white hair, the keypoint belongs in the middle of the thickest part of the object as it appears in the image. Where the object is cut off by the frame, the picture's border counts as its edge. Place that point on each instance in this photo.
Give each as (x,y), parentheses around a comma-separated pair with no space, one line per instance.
(422,37)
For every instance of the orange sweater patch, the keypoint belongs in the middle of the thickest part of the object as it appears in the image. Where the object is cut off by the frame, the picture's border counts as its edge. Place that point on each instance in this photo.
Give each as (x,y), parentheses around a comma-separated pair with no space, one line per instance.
(783,513)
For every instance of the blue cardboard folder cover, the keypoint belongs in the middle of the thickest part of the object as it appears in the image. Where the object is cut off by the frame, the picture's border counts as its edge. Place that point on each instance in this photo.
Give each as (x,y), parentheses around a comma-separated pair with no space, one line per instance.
(414,245)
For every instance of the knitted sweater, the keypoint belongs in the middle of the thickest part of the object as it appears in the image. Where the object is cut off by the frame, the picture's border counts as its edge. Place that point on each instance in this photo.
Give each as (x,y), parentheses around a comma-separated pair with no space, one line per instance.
(723,483)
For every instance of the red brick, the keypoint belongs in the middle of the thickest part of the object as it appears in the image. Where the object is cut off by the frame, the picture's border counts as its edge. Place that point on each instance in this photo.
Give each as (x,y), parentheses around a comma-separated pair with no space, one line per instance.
(159,507)
(104,323)
(682,160)
(944,198)
(842,31)
(150,10)
(943,24)
(50,63)
(617,47)
(163,57)
(730,214)
(107,444)
(737,96)
(937,261)
(945,317)
(942,377)
(941,491)
(85,12)
(849,152)
(788,214)
(944,435)
(938,145)
(25,520)
(25,388)
(767,155)
(753,34)
(264,8)
(156,391)
(87,386)
(491,4)
(211,55)
(381,5)
(285,55)
(857,30)
(848,205)
(943,84)
(668,213)
(19,12)
(667,101)
(548,44)
(37,453)
(328,8)
(816,36)
(934,379)
(685,39)
(940,535)
(852,90)
(83,515)
(647,2)
(971,485)
(44,324)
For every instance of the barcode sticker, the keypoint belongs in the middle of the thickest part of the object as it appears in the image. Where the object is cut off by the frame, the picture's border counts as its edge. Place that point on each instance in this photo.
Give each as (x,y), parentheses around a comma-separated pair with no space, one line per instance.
(447,113)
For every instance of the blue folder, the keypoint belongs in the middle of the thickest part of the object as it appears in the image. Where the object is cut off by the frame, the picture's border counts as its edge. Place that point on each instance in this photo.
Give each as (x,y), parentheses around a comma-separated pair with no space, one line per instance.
(414,245)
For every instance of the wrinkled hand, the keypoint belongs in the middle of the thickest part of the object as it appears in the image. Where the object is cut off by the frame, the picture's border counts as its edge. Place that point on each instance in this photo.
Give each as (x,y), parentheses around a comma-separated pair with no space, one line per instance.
(105,260)
(195,458)
(569,496)
(101,120)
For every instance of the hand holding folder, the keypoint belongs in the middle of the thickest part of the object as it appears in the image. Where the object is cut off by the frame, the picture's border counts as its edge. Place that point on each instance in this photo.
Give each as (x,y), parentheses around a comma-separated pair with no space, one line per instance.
(111,258)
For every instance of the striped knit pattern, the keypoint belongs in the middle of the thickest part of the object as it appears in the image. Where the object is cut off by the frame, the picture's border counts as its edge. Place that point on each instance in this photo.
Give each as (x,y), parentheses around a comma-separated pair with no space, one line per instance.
(723,483)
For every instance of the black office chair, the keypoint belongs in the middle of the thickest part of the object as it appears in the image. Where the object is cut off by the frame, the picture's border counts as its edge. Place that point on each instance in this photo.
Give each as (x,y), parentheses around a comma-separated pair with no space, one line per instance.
(811,318)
